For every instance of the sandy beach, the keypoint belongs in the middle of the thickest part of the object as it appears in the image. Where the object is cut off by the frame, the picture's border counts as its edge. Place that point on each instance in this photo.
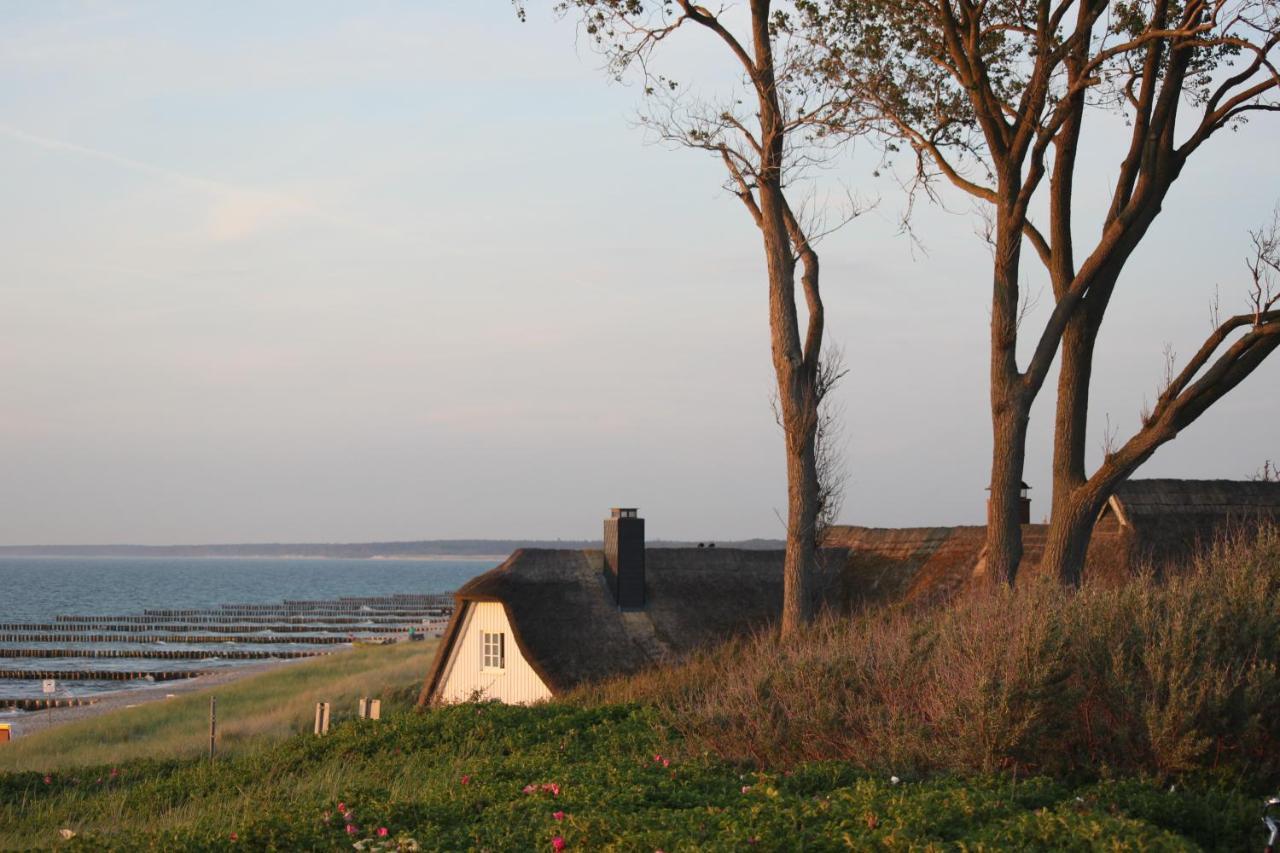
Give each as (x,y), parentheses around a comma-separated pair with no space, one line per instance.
(29,722)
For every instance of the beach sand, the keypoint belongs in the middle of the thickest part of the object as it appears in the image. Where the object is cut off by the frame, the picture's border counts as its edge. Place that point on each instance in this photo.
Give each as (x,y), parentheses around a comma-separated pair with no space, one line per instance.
(29,722)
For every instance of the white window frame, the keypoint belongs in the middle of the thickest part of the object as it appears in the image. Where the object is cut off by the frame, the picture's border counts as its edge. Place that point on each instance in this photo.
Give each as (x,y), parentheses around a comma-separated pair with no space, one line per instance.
(493,651)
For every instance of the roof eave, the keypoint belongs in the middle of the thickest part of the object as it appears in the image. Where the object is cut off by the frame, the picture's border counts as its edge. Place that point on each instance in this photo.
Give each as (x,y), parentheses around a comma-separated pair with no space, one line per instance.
(429,694)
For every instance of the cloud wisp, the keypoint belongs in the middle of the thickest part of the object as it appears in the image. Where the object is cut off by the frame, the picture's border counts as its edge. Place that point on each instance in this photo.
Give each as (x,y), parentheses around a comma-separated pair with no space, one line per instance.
(235,212)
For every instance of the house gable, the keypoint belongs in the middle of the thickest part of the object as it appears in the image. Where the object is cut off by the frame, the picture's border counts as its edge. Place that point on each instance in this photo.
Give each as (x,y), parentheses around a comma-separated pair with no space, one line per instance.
(464,675)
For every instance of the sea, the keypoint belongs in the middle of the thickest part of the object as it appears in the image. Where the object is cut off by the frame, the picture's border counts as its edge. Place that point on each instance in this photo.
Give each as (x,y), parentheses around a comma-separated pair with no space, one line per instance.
(39,589)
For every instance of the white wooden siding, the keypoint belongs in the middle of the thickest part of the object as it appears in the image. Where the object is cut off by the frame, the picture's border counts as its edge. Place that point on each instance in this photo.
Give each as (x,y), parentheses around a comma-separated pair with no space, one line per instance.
(464,675)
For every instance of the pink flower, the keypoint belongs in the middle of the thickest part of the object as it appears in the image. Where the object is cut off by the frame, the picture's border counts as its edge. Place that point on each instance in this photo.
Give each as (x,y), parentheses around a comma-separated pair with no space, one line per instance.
(666,762)
(382,832)
(48,780)
(746,788)
(657,758)
(235,837)
(558,816)
(557,843)
(351,829)
(342,807)
(114,772)
(551,787)
(466,778)
(530,788)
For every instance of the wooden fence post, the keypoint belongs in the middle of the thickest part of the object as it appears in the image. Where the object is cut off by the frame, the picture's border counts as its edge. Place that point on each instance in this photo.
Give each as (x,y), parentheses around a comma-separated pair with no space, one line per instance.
(364,708)
(375,709)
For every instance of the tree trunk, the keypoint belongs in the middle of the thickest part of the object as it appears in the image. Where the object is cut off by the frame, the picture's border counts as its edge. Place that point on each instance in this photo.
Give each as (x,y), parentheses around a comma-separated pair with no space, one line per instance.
(1070,531)
(1009,406)
(802,518)
(1004,526)
(1071,517)
(798,409)
(795,360)
(1071,421)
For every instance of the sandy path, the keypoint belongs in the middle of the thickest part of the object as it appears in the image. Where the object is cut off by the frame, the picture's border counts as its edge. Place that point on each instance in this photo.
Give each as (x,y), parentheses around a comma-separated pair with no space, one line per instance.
(29,722)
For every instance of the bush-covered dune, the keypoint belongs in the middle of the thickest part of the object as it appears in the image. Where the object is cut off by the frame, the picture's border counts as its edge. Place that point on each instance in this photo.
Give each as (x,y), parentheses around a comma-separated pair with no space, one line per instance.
(1169,679)
(490,777)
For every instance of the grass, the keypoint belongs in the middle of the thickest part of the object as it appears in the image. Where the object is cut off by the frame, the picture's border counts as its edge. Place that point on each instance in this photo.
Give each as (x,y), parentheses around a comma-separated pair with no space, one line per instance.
(492,777)
(269,706)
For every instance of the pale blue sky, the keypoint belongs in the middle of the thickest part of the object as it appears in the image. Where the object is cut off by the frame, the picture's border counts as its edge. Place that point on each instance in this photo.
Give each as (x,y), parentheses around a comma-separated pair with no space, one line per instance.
(337,271)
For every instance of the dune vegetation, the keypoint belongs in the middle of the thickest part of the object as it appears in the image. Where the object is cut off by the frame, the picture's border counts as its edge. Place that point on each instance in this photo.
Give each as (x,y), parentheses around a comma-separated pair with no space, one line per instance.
(1167,679)
(269,706)
(557,777)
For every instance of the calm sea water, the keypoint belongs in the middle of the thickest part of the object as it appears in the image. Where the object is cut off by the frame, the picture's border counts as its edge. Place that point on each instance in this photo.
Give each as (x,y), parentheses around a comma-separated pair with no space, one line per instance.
(38,589)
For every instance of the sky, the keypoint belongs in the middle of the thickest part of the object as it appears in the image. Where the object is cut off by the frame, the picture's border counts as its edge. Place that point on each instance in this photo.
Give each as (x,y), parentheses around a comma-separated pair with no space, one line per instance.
(326,271)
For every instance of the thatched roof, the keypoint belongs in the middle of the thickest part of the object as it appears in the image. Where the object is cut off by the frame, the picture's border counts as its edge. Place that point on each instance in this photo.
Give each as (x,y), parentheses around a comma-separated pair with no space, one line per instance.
(908,563)
(568,628)
(1170,519)
(1143,499)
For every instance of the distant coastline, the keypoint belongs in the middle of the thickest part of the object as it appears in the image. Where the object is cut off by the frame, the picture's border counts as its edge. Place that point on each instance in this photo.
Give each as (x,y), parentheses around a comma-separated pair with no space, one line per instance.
(429,549)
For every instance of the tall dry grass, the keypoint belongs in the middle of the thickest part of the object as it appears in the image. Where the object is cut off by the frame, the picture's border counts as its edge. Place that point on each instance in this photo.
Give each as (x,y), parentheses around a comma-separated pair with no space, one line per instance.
(1172,678)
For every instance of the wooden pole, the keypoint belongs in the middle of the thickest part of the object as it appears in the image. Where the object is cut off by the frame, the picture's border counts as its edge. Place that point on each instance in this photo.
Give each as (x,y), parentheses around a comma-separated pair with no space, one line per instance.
(364,708)
(213,724)
(375,709)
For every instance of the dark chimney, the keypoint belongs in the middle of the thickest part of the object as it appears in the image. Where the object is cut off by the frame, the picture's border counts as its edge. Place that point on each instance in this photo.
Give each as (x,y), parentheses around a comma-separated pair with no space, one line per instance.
(624,557)
(1024,505)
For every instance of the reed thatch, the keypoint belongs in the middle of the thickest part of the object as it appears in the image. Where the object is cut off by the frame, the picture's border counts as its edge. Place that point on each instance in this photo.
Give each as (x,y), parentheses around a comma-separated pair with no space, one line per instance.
(1161,520)
(568,628)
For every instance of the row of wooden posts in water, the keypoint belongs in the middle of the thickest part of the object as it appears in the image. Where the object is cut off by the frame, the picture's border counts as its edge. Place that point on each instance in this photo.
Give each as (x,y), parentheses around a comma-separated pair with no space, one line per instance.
(164,654)
(40,704)
(179,627)
(319,624)
(327,639)
(102,674)
(243,618)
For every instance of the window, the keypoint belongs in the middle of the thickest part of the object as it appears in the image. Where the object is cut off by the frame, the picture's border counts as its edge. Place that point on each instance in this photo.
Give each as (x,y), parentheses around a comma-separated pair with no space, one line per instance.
(494,650)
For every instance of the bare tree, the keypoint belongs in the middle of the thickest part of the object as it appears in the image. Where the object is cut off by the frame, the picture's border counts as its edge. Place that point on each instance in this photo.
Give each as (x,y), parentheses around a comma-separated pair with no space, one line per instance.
(994,98)
(765,140)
